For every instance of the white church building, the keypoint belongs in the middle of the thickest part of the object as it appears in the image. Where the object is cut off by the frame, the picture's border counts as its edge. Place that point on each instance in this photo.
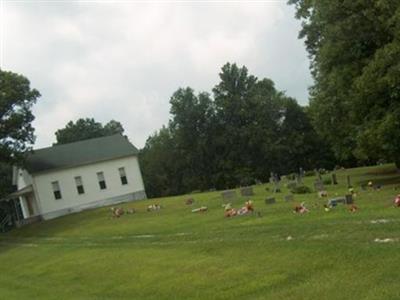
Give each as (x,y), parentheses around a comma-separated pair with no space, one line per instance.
(68,178)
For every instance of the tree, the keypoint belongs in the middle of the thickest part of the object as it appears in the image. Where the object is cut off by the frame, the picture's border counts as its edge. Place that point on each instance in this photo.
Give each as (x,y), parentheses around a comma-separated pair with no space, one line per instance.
(88,128)
(6,179)
(300,145)
(191,127)
(113,127)
(244,132)
(233,120)
(354,51)
(159,165)
(16,131)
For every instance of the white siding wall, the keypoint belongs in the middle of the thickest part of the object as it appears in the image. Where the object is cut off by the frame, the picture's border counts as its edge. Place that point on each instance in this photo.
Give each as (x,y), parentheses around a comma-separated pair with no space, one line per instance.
(23,179)
(71,198)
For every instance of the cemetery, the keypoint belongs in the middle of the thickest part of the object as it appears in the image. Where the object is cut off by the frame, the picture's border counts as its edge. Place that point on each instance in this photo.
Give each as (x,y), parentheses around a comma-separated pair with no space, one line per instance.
(267,165)
(250,242)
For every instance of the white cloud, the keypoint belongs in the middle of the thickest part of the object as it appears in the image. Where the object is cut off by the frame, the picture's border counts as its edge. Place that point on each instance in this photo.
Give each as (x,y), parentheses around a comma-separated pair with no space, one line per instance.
(124,60)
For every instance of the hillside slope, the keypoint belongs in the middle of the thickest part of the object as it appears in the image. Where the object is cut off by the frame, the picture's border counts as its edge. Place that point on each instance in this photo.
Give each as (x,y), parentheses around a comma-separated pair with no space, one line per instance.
(176,254)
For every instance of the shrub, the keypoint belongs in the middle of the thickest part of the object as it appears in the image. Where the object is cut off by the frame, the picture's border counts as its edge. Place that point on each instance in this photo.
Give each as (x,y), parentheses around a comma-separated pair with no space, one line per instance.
(327,181)
(291,176)
(322,171)
(301,189)
(309,173)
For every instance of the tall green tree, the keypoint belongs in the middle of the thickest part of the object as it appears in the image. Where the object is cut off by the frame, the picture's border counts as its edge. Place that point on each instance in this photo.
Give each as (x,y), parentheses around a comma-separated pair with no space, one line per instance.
(354,51)
(242,133)
(88,128)
(191,126)
(300,145)
(159,165)
(231,97)
(6,179)
(16,131)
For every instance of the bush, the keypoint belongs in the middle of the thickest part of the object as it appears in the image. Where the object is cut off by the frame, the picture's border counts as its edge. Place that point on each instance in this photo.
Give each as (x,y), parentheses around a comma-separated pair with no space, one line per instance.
(291,176)
(309,173)
(301,189)
(322,171)
(291,185)
(327,181)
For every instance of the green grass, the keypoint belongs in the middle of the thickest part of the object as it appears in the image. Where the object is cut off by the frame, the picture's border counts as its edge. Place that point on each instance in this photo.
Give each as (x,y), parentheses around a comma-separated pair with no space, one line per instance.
(174,254)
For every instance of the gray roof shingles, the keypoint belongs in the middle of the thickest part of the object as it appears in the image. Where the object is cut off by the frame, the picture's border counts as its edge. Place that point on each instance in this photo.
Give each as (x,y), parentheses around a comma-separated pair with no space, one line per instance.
(79,153)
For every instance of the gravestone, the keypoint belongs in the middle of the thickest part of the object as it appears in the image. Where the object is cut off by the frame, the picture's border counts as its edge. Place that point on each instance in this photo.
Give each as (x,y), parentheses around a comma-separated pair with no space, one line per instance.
(335,201)
(274,180)
(319,186)
(289,198)
(277,188)
(270,200)
(228,195)
(349,182)
(299,180)
(334,179)
(349,199)
(319,174)
(246,191)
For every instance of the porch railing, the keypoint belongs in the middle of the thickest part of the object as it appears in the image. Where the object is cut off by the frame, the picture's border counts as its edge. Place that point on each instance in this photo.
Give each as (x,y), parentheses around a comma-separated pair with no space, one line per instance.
(4,223)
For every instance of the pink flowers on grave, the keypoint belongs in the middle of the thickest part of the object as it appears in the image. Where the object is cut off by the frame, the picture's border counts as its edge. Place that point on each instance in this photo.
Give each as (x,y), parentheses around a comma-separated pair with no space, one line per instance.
(397,201)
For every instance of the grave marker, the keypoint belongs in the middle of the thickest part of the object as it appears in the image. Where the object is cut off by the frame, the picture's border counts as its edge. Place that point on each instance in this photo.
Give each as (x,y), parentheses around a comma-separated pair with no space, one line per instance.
(319,186)
(246,191)
(319,175)
(334,179)
(348,182)
(228,195)
(270,200)
(349,199)
(277,188)
(289,198)
(333,202)
(298,179)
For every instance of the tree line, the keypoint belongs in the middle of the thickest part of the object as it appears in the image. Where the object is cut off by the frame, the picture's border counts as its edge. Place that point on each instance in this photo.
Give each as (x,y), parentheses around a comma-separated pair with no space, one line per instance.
(237,135)
(245,128)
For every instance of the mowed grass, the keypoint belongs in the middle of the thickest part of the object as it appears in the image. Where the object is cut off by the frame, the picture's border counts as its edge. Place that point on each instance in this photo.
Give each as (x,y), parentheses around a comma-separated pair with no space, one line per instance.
(176,254)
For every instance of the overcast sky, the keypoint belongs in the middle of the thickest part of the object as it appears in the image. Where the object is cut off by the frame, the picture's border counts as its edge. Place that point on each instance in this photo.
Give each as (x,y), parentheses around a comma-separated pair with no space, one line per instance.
(123,60)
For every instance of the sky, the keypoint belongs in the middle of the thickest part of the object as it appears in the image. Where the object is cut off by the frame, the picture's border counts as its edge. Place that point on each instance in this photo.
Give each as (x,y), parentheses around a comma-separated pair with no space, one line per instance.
(123,60)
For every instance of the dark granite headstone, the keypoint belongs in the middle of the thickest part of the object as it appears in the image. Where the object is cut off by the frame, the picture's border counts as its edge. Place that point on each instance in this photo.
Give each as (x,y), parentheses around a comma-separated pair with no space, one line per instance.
(348,182)
(349,199)
(334,179)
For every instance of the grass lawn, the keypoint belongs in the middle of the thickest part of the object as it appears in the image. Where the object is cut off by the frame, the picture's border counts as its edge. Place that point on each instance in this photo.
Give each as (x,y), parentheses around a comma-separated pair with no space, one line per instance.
(176,254)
